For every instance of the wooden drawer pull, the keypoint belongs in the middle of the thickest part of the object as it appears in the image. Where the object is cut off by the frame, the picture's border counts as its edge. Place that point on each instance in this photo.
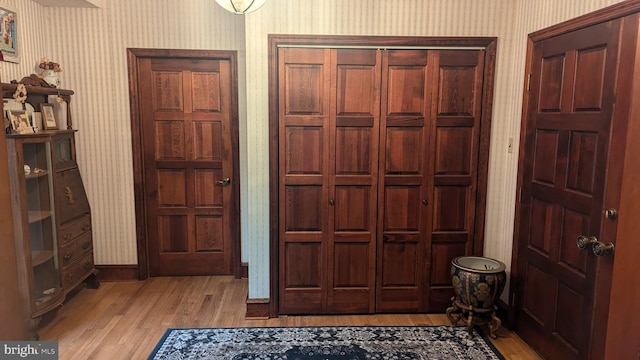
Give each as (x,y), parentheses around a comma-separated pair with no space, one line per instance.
(86,245)
(88,265)
(86,227)
(68,256)
(68,236)
(70,277)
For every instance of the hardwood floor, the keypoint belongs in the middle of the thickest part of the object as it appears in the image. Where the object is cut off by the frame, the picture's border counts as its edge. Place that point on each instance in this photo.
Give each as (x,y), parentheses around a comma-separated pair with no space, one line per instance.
(125,320)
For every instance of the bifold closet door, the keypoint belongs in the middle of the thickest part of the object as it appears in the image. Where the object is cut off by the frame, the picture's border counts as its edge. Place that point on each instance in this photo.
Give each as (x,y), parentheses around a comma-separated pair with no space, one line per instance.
(430,129)
(378,153)
(329,108)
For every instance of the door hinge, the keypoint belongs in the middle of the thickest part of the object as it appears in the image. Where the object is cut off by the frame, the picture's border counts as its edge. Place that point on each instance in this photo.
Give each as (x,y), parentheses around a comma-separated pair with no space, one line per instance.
(529,83)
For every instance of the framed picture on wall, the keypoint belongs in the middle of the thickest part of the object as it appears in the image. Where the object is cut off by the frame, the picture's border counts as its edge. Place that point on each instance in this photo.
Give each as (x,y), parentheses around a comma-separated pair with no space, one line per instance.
(9,32)
(49,119)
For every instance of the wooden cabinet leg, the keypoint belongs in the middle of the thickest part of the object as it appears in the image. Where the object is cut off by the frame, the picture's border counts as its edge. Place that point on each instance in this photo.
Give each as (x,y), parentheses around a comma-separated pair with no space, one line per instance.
(33,328)
(92,280)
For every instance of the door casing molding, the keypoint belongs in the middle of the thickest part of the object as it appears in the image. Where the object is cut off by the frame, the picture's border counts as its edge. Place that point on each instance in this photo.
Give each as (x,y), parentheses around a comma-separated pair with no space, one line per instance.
(275,41)
(133,57)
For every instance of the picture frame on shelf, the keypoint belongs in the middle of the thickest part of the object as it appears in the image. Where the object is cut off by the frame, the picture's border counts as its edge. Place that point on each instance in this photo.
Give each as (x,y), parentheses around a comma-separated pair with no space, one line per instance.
(9,33)
(8,127)
(36,121)
(49,117)
(20,122)
(62,111)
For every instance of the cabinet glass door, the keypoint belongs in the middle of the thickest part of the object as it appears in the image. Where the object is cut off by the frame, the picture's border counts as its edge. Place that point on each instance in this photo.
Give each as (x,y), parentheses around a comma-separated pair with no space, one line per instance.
(42,234)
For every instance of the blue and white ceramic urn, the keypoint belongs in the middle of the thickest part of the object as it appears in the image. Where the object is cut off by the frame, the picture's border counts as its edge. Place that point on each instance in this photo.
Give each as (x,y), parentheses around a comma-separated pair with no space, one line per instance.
(478,281)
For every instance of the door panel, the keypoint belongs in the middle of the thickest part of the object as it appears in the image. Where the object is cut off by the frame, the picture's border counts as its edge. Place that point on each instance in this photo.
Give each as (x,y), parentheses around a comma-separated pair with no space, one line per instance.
(329,115)
(304,114)
(428,197)
(186,127)
(457,81)
(566,146)
(353,176)
(404,129)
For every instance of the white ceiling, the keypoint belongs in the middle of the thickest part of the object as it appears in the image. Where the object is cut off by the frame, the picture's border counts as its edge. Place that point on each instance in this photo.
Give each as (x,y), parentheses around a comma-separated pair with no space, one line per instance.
(69,3)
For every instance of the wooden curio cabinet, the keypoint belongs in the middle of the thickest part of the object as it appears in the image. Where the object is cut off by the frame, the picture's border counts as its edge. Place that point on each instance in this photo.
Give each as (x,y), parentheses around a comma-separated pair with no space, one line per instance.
(35,222)
(51,215)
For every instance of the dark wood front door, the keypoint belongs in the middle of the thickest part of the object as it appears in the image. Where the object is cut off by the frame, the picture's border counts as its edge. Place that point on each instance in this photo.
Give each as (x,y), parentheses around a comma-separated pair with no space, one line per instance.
(564,182)
(187,105)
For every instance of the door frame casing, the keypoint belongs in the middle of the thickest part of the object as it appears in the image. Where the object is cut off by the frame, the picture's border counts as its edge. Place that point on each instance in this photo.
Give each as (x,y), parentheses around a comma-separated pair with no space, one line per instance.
(133,57)
(488,44)
(620,118)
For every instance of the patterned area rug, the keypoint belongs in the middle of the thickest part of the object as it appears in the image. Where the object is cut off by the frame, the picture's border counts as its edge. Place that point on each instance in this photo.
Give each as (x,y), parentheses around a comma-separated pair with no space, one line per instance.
(325,343)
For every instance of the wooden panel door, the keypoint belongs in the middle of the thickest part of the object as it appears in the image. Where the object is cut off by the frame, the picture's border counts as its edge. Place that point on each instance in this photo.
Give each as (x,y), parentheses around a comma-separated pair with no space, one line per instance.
(564,169)
(329,109)
(430,132)
(186,107)
(303,167)
(404,180)
(353,177)
(454,167)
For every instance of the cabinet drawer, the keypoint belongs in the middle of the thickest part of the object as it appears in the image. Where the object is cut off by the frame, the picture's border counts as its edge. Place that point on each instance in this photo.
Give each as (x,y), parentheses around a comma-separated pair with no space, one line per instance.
(74,249)
(77,271)
(71,199)
(74,229)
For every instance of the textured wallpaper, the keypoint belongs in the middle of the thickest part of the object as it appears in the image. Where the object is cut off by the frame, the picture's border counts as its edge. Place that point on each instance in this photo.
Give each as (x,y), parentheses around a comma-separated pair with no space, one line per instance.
(509,20)
(91,44)
(31,39)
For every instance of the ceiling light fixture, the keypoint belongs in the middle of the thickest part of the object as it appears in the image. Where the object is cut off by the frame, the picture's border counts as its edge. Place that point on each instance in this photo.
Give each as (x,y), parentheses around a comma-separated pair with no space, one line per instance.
(240,7)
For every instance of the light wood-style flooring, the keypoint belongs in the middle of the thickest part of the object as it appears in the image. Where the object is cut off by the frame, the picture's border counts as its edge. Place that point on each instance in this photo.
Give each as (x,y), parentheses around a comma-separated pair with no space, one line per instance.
(125,320)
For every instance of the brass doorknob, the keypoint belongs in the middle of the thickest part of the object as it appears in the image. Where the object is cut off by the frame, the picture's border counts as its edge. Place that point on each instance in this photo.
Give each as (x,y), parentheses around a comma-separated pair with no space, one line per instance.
(224,181)
(583,242)
(611,214)
(599,248)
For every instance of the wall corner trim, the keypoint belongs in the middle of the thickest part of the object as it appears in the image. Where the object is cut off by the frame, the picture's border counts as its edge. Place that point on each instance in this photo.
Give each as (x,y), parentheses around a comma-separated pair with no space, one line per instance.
(257,309)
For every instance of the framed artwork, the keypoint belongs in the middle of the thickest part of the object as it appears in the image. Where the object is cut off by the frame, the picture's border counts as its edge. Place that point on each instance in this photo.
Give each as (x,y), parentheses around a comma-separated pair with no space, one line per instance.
(49,119)
(9,31)
(20,122)
(63,113)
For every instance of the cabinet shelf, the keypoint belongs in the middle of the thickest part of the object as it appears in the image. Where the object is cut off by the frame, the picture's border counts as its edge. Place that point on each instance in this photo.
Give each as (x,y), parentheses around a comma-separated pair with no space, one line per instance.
(35,216)
(43,298)
(39,257)
(36,175)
